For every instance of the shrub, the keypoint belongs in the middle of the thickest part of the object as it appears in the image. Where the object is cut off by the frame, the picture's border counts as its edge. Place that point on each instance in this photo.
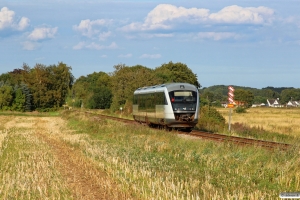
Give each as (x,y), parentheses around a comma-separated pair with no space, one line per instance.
(210,120)
(240,110)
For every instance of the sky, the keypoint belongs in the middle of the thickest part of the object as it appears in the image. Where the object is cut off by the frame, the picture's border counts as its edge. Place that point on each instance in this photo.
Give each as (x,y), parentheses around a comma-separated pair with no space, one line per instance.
(247,43)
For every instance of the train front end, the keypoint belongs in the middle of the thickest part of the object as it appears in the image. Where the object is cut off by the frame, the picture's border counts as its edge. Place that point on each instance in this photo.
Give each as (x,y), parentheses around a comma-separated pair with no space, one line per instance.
(184,105)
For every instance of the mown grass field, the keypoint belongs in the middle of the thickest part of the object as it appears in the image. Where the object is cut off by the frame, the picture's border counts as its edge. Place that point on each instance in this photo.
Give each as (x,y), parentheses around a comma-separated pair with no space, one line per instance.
(143,163)
(281,120)
(277,124)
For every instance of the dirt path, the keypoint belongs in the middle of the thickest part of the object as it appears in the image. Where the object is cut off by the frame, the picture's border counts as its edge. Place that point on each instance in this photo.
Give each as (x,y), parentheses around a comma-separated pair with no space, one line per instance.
(82,177)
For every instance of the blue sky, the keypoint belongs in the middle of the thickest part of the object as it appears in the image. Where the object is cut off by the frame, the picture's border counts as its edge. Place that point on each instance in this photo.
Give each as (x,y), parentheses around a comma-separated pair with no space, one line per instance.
(246,43)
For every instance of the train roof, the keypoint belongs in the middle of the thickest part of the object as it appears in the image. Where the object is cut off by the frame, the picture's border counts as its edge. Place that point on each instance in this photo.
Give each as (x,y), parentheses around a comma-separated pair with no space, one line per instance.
(169,86)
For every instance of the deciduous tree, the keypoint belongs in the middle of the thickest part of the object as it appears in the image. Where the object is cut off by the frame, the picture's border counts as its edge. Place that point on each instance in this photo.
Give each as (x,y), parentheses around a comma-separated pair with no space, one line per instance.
(176,72)
(125,80)
(289,94)
(6,97)
(244,96)
(92,89)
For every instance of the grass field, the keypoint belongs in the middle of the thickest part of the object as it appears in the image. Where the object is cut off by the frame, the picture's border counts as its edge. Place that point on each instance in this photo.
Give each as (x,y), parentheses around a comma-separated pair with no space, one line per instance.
(284,121)
(43,158)
(281,120)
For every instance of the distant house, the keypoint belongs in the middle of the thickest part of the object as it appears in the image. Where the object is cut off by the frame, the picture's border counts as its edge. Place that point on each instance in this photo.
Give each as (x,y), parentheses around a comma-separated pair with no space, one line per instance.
(293,104)
(274,103)
(224,104)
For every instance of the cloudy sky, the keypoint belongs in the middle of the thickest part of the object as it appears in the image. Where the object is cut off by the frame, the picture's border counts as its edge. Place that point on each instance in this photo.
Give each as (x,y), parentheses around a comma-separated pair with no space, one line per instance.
(246,43)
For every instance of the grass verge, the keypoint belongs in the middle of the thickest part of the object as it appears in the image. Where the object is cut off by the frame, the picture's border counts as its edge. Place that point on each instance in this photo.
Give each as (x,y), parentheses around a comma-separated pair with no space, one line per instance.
(31,114)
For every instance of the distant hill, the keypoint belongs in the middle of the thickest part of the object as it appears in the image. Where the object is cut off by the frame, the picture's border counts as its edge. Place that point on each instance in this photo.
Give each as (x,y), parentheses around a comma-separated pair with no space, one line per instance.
(279,90)
(220,92)
(223,89)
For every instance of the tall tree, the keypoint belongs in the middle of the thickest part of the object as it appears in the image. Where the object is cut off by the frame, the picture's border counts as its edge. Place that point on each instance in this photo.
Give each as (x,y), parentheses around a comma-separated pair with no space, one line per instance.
(101,98)
(38,79)
(62,81)
(5,78)
(176,72)
(289,94)
(6,97)
(19,100)
(91,88)
(28,97)
(125,80)
(49,86)
(244,96)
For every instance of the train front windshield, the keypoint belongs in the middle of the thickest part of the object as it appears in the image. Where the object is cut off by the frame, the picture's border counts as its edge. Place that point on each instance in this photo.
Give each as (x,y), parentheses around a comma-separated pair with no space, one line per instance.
(183,100)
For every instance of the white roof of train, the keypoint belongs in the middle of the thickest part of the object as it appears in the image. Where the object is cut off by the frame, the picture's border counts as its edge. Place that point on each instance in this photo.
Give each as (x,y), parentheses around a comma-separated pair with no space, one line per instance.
(169,86)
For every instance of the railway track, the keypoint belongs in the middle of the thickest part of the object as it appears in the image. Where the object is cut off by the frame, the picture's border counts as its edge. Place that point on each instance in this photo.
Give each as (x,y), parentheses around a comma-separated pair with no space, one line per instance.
(217,137)
(240,140)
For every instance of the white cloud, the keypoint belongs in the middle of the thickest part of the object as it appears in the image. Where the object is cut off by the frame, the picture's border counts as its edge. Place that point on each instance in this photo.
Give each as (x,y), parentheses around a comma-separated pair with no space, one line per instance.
(166,12)
(239,15)
(78,46)
(149,35)
(158,35)
(91,28)
(95,46)
(23,23)
(103,36)
(151,56)
(166,16)
(125,56)
(161,16)
(7,20)
(42,33)
(216,35)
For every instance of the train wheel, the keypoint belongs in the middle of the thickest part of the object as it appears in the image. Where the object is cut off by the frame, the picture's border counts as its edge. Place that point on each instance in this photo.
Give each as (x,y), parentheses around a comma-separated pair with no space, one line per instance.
(188,129)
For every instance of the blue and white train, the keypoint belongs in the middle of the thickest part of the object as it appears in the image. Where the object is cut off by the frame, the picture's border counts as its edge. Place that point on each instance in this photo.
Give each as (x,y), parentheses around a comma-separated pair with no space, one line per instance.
(172,105)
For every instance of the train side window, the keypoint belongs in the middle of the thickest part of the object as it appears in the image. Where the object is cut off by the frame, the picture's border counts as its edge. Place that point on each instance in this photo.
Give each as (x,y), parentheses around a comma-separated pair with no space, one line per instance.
(141,102)
(135,99)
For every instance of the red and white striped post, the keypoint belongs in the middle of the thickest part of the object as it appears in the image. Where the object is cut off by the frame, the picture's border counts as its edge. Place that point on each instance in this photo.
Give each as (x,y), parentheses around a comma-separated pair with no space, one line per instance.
(230,101)
(230,94)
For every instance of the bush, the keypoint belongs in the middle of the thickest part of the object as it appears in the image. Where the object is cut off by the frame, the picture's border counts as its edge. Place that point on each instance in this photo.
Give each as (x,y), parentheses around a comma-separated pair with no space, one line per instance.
(210,120)
(128,107)
(240,110)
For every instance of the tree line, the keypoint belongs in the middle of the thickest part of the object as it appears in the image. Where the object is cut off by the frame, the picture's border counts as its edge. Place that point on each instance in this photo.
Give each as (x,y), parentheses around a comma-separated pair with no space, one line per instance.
(115,89)
(40,88)
(45,88)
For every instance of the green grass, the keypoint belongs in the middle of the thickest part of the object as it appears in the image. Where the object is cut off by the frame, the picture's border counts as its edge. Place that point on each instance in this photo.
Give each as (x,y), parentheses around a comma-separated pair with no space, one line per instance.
(155,164)
(27,169)
(31,114)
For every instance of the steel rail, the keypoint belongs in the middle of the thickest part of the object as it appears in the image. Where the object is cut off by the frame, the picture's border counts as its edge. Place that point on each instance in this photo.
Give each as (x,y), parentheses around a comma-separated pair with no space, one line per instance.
(240,140)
